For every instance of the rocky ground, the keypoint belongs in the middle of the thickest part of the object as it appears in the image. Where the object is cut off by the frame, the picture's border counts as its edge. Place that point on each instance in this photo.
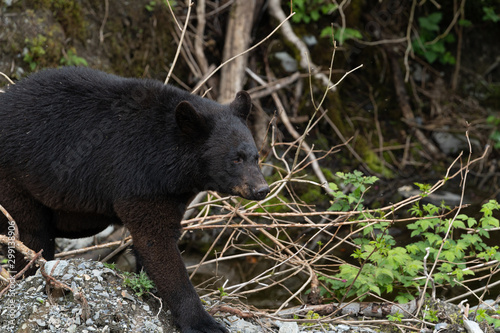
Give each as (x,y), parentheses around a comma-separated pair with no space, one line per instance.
(86,296)
(99,302)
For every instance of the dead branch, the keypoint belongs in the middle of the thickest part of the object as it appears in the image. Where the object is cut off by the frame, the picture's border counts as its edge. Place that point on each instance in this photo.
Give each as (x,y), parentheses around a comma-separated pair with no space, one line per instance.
(368,309)
(19,246)
(190,5)
(127,240)
(231,310)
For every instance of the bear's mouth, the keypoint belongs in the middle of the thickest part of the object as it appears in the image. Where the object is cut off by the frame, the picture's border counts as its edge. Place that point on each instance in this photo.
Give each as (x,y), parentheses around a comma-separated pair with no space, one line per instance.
(242,191)
(248,193)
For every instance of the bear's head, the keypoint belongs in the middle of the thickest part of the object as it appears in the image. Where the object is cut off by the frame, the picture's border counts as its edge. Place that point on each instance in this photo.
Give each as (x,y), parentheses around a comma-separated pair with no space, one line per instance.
(228,158)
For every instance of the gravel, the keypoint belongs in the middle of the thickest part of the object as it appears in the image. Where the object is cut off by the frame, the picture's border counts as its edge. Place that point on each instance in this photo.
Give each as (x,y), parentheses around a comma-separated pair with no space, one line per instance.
(111,307)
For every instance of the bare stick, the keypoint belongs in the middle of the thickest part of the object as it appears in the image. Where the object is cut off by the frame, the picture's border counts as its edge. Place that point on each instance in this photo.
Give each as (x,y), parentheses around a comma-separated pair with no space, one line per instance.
(8,78)
(92,248)
(173,15)
(101,29)
(408,40)
(190,4)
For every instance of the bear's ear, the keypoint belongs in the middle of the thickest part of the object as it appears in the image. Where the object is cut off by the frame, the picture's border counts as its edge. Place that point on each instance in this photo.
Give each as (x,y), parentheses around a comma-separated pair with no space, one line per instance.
(190,121)
(242,104)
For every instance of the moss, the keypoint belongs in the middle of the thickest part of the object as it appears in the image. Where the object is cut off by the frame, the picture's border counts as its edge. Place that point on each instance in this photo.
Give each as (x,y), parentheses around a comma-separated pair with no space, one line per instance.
(374,163)
(67,13)
(314,195)
(44,49)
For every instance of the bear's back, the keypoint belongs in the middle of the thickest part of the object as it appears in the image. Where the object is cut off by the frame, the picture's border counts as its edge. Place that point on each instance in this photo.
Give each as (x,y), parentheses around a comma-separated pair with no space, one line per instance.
(75,133)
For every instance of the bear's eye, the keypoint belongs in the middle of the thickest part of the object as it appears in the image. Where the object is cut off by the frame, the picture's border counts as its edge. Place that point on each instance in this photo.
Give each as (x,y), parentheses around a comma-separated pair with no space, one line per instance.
(238,159)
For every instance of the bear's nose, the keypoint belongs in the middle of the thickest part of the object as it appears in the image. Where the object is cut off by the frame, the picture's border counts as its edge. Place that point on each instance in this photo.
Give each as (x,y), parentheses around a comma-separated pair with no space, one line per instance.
(261,192)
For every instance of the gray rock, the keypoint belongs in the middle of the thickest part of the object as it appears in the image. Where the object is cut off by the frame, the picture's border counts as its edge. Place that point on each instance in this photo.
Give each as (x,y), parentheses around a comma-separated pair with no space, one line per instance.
(239,325)
(60,267)
(472,327)
(287,61)
(289,327)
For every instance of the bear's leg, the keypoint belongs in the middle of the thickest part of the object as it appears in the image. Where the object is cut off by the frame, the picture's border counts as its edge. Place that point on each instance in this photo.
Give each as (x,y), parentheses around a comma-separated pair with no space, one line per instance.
(155,229)
(33,221)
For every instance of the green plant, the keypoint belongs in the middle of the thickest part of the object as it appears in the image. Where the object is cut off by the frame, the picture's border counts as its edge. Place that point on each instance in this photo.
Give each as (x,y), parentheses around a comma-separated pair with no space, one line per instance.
(35,50)
(341,34)
(311,315)
(424,188)
(490,15)
(396,318)
(386,268)
(311,10)
(71,59)
(109,265)
(356,179)
(431,315)
(222,292)
(495,135)
(150,6)
(428,45)
(140,283)
(490,318)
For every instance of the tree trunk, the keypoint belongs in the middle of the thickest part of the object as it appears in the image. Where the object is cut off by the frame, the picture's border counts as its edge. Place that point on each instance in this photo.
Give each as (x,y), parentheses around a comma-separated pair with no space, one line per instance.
(238,38)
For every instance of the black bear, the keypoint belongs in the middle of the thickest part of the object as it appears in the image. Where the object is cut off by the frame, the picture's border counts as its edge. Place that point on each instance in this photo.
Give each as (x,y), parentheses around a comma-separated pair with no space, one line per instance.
(81,149)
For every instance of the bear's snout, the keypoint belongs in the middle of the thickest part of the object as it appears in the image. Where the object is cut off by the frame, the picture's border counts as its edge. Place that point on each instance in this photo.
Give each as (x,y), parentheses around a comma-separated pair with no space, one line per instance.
(261,192)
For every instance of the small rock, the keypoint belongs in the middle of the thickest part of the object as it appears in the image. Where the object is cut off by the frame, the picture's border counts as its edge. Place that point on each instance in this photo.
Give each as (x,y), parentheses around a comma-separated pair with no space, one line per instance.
(287,61)
(289,327)
(41,323)
(472,327)
(240,325)
(440,326)
(59,270)
(310,40)
(67,276)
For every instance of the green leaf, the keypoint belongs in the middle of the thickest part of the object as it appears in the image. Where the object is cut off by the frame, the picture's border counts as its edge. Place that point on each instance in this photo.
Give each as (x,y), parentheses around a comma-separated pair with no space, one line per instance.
(333,186)
(380,271)
(464,23)
(433,238)
(403,298)
(449,255)
(431,22)
(326,32)
(490,15)
(315,15)
(342,35)
(489,221)
(375,289)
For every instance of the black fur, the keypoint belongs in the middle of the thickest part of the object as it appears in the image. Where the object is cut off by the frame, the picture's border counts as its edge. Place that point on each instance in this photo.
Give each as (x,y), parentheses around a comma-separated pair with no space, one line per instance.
(81,149)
